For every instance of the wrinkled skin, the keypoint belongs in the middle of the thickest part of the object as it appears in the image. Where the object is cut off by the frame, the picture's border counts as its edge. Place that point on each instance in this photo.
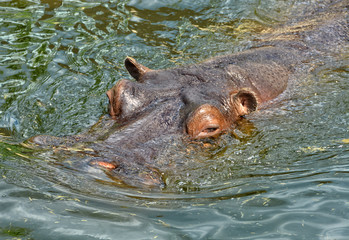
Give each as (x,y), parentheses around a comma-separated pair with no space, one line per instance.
(198,101)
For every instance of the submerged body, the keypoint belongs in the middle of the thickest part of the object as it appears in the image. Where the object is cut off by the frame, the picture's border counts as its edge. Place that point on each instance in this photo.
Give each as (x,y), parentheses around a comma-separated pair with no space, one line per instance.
(199,101)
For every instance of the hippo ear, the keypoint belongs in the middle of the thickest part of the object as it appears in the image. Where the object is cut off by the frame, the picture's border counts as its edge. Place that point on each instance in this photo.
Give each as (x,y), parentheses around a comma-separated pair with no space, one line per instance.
(244,102)
(136,69)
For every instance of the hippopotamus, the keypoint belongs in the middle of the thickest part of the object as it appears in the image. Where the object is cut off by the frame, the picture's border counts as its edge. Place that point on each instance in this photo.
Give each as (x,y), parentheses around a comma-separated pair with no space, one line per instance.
(199,101)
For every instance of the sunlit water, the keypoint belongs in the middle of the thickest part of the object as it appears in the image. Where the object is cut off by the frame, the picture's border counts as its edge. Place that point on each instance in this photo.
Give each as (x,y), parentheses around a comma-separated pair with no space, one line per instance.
(284,174)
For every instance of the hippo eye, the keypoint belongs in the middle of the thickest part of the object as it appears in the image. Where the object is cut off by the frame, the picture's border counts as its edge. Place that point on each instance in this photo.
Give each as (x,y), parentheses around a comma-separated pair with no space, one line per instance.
(206,121)
(114,95)
(125,98)
(210,129)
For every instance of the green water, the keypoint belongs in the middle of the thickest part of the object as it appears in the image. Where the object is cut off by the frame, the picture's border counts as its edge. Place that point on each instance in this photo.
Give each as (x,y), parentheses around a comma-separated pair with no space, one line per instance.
(283,175)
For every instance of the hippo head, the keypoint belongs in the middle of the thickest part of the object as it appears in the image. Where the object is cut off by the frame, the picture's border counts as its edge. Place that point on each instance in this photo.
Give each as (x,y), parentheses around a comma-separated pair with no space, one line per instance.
(157,109)
(193,102)
(197,101)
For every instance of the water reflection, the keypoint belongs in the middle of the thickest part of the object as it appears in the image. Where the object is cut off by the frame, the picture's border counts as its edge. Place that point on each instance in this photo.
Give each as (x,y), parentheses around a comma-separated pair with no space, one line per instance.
(50,7)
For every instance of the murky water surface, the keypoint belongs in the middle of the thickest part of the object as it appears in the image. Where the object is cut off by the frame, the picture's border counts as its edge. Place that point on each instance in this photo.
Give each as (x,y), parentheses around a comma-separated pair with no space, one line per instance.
(283,175)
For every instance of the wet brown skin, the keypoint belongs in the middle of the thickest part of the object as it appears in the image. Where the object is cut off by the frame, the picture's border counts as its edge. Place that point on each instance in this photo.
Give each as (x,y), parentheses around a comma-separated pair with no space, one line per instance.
(199,101)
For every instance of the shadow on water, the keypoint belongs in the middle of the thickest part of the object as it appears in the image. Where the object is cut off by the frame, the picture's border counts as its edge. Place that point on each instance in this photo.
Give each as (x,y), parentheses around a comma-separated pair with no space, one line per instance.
(283,173)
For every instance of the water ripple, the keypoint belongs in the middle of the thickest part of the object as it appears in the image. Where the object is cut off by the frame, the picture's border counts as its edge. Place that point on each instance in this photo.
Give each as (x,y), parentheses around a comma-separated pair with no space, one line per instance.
(282,175)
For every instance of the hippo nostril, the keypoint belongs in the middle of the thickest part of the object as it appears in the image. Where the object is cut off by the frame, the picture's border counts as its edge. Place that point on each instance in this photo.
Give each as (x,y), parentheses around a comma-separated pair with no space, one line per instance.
(104,164)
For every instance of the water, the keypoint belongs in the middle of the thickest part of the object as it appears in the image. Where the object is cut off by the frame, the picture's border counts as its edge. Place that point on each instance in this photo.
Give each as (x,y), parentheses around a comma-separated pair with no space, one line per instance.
(282,175)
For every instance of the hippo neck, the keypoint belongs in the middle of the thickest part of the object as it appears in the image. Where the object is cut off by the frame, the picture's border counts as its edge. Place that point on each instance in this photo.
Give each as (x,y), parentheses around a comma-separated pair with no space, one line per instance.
(263,70)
